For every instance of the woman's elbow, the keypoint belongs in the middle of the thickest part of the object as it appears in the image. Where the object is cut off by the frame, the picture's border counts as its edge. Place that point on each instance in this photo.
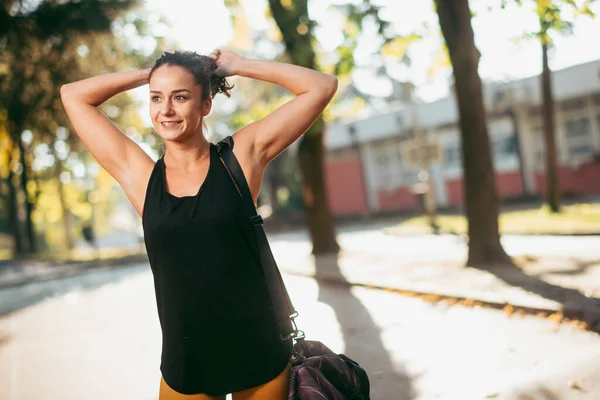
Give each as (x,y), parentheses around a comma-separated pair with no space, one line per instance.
(331,86)
(65,91)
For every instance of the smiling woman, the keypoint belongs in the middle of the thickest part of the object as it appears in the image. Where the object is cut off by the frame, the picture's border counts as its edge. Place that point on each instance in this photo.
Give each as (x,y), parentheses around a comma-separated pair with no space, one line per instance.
(208,280)
(185,84)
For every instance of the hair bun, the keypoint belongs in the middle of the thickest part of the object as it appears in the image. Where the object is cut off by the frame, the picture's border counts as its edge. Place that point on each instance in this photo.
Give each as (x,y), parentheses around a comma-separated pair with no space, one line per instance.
(202,67)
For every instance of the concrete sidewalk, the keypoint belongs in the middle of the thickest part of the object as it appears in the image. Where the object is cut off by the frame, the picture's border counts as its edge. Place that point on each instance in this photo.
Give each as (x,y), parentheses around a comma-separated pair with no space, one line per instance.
(566,287)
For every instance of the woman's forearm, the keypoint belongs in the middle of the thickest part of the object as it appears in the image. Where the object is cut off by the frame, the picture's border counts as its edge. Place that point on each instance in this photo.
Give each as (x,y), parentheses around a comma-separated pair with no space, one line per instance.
(296,79)
(98,89)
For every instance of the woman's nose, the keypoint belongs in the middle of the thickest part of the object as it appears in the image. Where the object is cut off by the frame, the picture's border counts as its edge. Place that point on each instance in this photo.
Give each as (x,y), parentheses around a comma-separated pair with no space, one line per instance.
(167,108)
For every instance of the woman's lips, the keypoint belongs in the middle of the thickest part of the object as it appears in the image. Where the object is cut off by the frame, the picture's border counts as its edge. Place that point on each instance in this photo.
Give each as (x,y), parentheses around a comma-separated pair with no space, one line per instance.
(170,124)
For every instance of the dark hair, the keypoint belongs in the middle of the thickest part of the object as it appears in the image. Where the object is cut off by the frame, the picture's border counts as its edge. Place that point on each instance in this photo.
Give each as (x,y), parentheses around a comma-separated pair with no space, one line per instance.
(202,67)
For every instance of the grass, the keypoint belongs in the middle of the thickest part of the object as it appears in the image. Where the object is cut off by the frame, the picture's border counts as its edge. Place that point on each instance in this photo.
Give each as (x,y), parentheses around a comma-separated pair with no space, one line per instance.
(575,219)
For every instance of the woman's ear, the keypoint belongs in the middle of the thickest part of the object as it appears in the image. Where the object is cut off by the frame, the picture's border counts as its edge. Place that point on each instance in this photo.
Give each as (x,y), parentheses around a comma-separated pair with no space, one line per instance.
(206,106)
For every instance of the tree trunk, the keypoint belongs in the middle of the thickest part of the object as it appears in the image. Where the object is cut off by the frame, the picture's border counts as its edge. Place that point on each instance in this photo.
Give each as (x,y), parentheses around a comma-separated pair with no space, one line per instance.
(66,215)
(479,179)
(320,222)
(298,44)
(13,215)
(552,183)
(31,239)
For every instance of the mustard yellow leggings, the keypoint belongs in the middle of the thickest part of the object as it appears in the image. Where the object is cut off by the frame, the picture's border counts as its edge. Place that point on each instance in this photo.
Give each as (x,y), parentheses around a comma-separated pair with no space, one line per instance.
(275,389)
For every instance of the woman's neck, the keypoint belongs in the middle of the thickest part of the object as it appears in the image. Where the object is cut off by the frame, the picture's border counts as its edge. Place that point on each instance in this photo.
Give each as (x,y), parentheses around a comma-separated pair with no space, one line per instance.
(186,156)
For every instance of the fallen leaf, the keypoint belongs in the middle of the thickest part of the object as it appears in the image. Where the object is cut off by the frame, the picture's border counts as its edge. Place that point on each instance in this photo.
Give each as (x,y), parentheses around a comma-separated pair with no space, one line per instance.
(556,317)
(469,302)
(583,325)
(451,301)
(574,384)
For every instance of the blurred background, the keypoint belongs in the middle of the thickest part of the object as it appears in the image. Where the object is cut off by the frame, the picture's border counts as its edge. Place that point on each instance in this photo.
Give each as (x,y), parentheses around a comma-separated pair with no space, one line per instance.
(460,157)
(392,132)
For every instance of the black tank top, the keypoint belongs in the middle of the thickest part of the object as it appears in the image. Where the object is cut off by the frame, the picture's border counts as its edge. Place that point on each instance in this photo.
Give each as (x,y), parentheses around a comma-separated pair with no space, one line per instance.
(219,332)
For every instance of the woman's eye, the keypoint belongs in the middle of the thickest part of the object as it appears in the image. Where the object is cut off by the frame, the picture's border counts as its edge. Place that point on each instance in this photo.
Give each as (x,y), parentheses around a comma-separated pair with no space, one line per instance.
(180,97)
(155,98)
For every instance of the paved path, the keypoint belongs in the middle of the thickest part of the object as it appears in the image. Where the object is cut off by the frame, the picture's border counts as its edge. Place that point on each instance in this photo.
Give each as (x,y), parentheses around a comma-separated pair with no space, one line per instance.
(98,337)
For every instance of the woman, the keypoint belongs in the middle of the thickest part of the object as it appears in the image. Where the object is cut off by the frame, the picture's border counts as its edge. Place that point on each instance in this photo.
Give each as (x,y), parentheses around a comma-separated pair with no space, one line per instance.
(219,331)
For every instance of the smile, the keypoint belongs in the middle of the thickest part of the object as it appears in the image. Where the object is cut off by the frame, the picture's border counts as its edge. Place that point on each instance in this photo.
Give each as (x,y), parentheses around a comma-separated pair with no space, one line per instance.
(170,124)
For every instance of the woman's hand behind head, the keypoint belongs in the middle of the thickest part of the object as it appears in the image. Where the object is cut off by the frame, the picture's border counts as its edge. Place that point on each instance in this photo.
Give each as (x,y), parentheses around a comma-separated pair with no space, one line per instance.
(228,62)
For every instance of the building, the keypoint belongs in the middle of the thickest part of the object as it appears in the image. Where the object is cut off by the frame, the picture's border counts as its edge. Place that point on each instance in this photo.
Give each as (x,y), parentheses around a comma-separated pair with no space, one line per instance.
(365,172)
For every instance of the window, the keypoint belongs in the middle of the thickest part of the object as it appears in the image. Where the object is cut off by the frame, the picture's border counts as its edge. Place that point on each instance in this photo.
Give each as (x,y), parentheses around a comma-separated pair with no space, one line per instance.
(582,150)
(578,127)
(505,146)
(453,155)
(578,137)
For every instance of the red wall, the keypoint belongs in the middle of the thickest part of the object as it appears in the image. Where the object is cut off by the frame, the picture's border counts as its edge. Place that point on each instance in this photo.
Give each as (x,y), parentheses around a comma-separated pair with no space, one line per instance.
(399,199)
(508,185)
(583,180)
(345,186)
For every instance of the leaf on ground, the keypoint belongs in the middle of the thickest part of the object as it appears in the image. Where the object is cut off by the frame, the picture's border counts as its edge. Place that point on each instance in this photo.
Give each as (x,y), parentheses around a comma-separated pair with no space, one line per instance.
(574,384)
(583,325)
(557,317)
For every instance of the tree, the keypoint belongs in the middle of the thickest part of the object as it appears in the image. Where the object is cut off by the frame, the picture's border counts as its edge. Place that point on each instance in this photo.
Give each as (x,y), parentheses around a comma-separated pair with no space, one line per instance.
(30,36)
(45,46)
(479,181)
(550,18)
(479,178)
(296,29)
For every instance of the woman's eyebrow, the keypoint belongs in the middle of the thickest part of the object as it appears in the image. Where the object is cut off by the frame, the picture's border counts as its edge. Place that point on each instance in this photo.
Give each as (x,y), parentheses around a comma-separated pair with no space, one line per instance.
(172,92)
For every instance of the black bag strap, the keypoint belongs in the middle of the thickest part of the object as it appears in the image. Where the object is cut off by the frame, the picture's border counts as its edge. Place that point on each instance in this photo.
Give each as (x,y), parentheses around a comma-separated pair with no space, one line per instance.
(282,305)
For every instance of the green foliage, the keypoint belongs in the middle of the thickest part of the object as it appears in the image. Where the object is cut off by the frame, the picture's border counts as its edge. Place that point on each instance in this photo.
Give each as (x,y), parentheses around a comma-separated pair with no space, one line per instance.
(40,50)
(551,16)
(356,15)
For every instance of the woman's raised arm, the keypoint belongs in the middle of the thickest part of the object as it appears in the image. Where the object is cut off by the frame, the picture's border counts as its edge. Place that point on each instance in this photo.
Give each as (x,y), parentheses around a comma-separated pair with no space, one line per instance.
(269,136)
(122,158)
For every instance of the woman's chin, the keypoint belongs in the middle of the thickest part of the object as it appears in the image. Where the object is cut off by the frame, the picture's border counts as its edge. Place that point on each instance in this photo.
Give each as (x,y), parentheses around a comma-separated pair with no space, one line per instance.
(172,135)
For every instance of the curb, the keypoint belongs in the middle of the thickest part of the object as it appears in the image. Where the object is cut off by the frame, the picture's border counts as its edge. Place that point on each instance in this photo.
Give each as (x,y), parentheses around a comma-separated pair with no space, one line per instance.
(587,320)
(394,232)
(72,269)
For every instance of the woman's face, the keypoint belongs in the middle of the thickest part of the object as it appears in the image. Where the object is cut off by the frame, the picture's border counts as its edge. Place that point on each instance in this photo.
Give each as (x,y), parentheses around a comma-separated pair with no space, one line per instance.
(176,105)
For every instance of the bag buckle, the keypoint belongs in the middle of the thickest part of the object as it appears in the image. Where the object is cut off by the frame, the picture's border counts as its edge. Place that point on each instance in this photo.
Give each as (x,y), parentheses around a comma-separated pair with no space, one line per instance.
(256,220)
(296,333)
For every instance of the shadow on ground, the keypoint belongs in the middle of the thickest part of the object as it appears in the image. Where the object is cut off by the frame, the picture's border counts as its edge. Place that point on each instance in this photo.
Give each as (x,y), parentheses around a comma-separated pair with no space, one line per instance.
(575,304)
(361,335)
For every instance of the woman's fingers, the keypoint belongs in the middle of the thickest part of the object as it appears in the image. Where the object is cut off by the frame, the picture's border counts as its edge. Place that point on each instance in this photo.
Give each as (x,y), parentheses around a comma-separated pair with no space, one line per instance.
(215,54)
